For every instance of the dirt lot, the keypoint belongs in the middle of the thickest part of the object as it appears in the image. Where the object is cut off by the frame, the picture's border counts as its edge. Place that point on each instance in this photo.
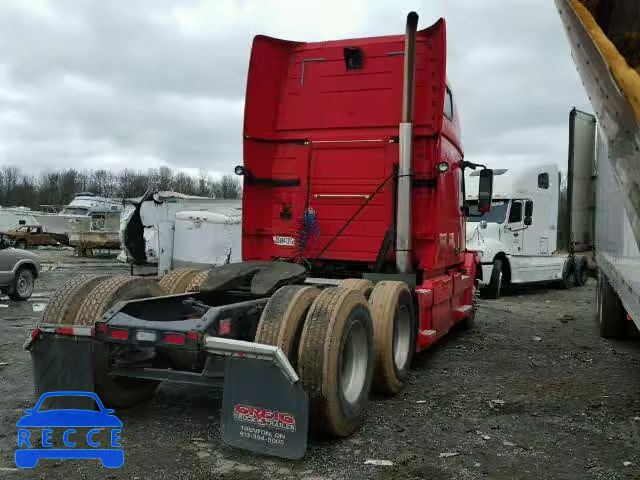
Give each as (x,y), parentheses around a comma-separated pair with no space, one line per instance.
(532,392)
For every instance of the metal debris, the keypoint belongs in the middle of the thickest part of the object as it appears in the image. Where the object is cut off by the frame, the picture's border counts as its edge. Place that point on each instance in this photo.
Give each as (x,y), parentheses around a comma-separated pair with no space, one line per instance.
(449,454)
(378,463)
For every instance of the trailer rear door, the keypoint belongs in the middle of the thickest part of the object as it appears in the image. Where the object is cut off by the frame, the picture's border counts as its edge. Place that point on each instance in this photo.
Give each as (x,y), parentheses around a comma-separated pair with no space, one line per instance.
(580,180)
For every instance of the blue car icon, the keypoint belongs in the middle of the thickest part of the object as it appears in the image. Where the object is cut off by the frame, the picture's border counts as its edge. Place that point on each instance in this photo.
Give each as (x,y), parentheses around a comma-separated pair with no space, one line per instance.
(96,420)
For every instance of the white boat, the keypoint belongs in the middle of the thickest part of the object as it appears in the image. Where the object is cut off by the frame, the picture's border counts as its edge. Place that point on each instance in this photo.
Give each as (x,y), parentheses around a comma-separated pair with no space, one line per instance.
(82,206)
(99,230)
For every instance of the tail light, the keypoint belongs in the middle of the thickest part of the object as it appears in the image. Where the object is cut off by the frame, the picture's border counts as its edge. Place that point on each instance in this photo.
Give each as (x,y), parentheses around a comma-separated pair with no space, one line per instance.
(193,335)
(175,338)
(119,333)
(112,333)
(224,327)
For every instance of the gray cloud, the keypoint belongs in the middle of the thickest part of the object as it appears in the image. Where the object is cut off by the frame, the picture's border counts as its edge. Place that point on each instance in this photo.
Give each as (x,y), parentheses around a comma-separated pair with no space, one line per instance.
(148,82)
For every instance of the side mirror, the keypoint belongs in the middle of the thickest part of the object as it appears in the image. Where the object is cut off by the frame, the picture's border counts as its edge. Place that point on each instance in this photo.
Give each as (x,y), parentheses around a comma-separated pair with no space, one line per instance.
(485,190)
(528,208)
(527,221)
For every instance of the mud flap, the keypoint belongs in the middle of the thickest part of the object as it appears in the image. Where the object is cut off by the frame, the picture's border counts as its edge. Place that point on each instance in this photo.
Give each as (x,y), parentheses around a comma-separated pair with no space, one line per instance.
(262,410)
(63,363)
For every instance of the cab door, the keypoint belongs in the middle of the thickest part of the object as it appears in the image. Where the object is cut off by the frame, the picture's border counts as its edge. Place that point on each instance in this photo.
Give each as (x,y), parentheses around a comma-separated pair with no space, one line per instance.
(514,230)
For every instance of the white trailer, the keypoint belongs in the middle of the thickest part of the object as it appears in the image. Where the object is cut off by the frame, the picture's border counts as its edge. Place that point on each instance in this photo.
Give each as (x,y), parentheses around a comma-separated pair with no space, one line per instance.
(604,160)
(518,239)
(202,239)
(150,225)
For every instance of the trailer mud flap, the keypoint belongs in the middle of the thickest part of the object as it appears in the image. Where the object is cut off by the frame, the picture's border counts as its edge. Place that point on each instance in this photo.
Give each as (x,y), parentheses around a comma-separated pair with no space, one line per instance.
(63,363)
(262,410)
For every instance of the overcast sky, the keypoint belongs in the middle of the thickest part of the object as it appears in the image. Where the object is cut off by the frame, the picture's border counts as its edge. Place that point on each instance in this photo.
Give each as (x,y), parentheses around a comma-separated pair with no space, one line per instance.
(143,83)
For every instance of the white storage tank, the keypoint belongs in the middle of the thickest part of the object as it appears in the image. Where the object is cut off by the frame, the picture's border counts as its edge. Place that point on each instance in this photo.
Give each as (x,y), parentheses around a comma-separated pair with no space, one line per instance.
(204,238)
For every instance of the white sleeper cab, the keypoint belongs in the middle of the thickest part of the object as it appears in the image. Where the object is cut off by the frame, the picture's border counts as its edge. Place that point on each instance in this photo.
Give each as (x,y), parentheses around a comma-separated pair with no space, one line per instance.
(518,239)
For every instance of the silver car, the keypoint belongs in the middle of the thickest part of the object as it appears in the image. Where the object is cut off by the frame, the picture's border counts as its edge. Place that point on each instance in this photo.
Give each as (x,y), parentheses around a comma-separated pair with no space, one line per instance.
(18,271)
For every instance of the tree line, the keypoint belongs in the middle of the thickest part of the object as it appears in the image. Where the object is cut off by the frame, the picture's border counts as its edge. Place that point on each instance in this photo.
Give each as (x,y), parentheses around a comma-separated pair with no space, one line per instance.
(18,188)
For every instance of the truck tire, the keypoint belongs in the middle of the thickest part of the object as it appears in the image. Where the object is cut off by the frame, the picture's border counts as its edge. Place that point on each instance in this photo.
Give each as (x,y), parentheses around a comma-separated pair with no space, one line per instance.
(492,290)
(394,335)
(610,313)
(196,281)
(116,392)
(66,301)
(582,271)
(283,318)
(335,361)
(22,284)
(177,281)
(568,274)
(359,284)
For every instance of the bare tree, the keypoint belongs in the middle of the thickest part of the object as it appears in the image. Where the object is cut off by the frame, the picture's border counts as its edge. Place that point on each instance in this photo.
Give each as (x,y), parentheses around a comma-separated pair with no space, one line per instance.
(59,187)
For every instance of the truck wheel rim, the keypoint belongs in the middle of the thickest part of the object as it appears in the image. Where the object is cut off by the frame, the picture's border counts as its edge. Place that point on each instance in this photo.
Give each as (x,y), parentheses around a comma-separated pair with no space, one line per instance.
(355,357)
(24,285)
(402,337)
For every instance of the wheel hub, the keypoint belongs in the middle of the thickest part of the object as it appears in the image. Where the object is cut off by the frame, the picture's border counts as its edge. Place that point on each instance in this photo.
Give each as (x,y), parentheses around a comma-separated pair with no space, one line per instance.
(355,357)
(402,337)
(24,285)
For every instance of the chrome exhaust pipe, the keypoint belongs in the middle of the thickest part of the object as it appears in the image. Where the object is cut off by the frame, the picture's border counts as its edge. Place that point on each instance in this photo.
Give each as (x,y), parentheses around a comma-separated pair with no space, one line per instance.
(403,217)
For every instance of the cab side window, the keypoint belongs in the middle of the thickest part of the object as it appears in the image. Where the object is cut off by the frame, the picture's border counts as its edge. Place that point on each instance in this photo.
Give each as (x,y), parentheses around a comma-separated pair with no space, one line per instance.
(515,214)
(543,181)
(448,104)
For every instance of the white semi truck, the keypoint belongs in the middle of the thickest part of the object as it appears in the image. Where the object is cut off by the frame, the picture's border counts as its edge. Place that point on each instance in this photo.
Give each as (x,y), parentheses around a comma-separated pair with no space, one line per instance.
(604,154)
(518,239)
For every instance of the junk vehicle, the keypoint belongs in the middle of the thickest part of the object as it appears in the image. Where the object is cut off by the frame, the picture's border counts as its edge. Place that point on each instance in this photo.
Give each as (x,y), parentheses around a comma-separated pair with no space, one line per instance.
(18,270)
(519,240)
(353,246)
(29,236)
(604,158)
(174,231)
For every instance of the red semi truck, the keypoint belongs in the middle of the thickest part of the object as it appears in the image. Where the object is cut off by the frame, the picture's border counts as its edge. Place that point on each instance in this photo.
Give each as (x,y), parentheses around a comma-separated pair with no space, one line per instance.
(353,247)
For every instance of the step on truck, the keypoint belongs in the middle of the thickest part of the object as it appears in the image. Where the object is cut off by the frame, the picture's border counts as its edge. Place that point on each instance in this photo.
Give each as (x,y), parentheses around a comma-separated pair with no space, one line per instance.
(604,153)
(523,239)
(353,251)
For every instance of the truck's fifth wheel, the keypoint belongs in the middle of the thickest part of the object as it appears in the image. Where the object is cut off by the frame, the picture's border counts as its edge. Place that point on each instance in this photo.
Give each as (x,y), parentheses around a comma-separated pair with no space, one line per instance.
(177,281)
(117,392)
(283,318)
(394,334)
(335,361)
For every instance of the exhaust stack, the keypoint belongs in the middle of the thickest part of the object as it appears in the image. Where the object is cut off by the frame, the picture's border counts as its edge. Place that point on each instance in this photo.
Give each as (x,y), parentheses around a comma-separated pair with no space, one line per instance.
(403,226)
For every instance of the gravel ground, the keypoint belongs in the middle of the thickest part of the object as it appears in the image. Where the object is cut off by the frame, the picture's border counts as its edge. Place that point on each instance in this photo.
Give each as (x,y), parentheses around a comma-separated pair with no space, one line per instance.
(531,392)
